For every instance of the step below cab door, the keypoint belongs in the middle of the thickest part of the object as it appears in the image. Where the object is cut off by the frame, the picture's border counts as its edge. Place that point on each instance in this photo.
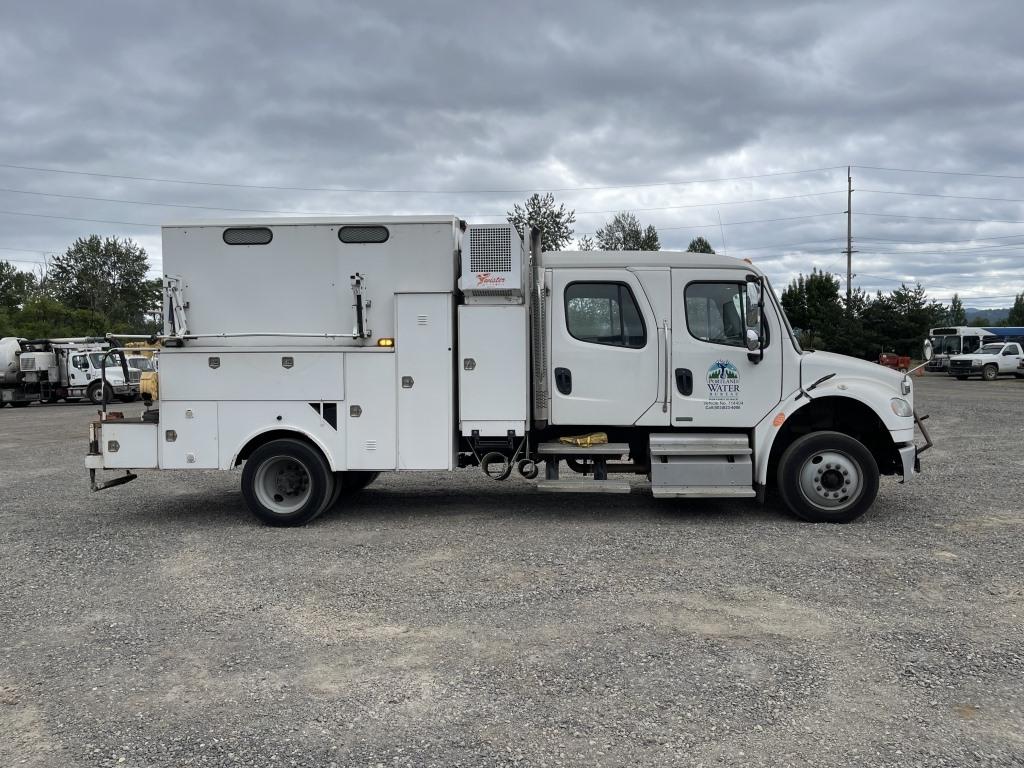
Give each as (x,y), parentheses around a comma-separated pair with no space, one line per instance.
(715,383)
(605,341)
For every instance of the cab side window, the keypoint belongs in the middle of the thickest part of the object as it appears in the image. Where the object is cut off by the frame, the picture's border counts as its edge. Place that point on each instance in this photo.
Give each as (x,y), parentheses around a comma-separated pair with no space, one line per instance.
(721,313)
(604,313)
(80,362)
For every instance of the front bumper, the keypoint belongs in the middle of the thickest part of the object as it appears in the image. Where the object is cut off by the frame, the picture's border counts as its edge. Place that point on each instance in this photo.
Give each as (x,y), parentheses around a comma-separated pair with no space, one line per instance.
(974,370)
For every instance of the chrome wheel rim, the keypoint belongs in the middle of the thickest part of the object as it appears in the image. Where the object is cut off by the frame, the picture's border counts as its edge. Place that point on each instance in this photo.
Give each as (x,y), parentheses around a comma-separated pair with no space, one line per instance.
(831,480)
(283,484)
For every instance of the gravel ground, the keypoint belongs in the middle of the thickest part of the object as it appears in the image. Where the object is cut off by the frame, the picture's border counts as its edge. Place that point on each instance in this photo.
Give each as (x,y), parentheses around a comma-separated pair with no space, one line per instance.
(449,620)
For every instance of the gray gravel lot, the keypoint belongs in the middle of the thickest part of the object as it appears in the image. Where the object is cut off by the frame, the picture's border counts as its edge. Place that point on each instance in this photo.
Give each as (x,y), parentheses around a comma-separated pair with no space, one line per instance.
(450,620)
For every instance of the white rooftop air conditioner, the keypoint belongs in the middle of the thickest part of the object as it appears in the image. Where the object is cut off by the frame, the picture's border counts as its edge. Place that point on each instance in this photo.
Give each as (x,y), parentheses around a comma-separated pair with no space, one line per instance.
(494,264)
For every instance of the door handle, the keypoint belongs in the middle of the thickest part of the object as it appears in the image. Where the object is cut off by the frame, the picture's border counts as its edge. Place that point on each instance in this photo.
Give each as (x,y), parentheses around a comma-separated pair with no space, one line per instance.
(684,381)
(563,380)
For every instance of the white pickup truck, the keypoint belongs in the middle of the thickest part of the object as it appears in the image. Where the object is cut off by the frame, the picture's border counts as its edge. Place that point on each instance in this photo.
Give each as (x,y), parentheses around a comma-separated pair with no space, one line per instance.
(991,361)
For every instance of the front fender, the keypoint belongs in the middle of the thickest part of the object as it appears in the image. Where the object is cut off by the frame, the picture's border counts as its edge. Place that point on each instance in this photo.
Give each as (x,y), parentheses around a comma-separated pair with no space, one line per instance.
(866,392)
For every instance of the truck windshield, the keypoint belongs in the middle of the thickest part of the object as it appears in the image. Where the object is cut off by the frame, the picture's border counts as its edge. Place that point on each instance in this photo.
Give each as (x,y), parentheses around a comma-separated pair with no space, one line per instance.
(141,363)
(96,358)
(991,349)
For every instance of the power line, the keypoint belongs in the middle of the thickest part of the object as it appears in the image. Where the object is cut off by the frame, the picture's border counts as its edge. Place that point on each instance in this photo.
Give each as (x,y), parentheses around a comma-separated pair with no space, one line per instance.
(939,218)
(784,245)
(939,173)
(336,213)
(737,223)
(937,242)
(24,250)
(947,197)
(162,180)
(75,218)
(979,249)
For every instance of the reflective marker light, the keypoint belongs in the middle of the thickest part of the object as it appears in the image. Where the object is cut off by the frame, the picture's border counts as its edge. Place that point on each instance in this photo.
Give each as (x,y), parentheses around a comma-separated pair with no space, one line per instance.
(385,342)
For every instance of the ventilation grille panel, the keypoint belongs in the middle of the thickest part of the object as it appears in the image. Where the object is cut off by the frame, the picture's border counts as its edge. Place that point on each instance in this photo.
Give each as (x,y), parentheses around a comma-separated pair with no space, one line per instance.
(490,249)
(248,235)
(363,234)
(28,363)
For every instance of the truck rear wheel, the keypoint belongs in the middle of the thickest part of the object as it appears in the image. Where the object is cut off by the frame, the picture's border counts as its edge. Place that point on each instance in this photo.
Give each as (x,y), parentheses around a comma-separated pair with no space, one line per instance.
(990,372)
(827,477)
(349,483)
(287,482)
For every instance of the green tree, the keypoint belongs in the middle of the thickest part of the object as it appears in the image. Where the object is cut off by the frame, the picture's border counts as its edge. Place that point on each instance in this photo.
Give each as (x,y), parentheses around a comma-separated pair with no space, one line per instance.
(699,245)
(586,243)
(554,221)
(624,233)
(16,286)
(43,317)
(956,314)
(812,304)
(897,322)
(1016,316)
(107,277)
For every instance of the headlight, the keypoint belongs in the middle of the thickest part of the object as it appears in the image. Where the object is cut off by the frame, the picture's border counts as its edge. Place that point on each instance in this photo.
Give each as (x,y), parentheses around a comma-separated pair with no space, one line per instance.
(976,363)
(901,407)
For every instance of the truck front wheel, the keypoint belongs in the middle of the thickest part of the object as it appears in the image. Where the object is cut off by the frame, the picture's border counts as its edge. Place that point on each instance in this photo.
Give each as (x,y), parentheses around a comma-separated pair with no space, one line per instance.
(827,477)
(99,394)
(287,482)
(990,372)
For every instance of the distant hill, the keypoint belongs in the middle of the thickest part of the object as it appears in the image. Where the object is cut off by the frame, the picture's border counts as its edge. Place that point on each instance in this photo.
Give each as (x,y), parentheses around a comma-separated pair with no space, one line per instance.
(994,315)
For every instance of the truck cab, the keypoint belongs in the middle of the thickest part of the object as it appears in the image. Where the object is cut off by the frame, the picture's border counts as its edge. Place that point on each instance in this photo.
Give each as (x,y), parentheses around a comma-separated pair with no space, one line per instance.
(318,353)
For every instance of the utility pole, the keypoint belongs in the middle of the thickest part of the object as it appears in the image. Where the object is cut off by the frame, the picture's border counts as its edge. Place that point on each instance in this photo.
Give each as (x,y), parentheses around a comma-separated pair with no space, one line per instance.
(849,235)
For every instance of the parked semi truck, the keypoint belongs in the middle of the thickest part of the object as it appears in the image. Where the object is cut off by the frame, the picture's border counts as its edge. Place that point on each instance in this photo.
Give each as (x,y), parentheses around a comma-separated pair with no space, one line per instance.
(317,353)
(48,370)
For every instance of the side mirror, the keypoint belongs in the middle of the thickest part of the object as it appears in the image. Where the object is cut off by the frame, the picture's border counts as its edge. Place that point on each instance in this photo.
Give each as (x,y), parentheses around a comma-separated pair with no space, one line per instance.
(928,351)
(753,340)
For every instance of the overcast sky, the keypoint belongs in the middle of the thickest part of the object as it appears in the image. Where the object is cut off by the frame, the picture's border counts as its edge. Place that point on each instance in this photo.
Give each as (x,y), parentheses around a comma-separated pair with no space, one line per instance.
(615,105)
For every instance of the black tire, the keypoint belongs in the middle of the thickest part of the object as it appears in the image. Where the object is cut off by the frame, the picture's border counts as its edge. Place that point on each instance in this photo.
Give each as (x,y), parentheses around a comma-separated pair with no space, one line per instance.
(990,372)
(99,394)
(821,464)
(287,482)
(350,483)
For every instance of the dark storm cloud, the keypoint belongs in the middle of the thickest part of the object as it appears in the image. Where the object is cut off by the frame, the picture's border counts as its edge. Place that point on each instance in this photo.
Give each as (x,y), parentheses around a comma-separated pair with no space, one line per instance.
(533,96)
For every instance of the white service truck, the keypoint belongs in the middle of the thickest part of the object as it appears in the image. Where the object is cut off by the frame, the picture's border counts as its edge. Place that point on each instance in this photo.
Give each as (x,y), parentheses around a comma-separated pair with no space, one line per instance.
(48,370)
(991,361)
(317,353)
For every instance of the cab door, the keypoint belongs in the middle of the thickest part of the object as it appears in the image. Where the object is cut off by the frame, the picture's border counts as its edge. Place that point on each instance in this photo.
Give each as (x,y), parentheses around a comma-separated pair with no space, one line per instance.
(605,342)
(715,381)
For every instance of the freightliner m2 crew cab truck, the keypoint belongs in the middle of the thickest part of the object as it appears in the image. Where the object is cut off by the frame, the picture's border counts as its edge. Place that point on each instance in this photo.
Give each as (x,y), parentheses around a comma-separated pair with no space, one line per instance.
(317,353)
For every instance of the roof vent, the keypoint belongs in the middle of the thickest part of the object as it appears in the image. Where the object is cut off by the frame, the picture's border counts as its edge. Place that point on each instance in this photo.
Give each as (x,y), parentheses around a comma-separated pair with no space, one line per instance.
(248,235)
(363,234)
